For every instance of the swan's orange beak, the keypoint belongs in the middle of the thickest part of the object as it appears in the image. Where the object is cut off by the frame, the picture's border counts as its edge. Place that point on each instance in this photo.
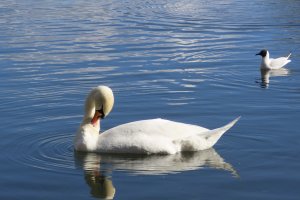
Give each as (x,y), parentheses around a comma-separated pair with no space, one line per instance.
(97,116)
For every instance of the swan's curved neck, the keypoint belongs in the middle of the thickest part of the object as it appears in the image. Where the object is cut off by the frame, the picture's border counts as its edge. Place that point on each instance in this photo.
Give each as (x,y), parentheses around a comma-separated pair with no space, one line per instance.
(89,111)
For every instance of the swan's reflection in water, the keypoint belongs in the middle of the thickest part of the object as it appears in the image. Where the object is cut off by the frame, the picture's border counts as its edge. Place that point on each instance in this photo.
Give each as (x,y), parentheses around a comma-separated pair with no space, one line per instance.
(266,74)
(101,186)
(98,167)
(98,179)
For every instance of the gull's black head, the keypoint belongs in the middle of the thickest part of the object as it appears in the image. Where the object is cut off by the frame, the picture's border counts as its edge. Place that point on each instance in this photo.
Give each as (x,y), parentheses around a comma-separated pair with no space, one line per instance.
(262,53)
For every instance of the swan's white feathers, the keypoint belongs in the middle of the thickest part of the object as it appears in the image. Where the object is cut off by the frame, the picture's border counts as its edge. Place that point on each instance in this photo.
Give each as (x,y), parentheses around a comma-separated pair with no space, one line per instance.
(86,138)
(158,136)
(154,136)
(147,136)
(107,99)
(98,97)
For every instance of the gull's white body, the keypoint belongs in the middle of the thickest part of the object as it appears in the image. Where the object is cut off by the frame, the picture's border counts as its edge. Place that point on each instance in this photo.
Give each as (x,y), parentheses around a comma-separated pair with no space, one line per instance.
(154,136)
(274,63)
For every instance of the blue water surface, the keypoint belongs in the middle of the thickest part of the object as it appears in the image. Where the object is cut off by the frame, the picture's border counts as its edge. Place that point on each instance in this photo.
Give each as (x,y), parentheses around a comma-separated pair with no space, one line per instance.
(189,61)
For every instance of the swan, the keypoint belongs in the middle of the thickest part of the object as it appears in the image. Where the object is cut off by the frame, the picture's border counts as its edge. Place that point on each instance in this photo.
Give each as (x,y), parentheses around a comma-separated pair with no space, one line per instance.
(268,63)
(153,136)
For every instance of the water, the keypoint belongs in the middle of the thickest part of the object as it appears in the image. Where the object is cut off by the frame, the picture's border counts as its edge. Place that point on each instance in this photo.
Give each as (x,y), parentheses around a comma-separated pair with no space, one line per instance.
(188,61)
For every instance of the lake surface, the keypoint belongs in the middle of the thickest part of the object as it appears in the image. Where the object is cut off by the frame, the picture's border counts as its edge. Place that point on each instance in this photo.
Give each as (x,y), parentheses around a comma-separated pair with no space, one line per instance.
(188,61)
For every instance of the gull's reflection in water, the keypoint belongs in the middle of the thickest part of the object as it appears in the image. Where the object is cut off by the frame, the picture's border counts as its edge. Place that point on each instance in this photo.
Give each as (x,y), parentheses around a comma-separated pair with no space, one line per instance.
(98,167)
(266,74)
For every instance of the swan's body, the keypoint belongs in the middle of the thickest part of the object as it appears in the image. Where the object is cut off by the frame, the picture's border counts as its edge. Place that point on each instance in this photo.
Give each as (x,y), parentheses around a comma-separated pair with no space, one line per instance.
(146,136)
(268,63)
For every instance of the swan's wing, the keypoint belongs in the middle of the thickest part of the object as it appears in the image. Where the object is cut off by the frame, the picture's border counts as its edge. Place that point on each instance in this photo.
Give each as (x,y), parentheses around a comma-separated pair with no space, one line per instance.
(279,62)
(159,136)
(146,136)
(155,127)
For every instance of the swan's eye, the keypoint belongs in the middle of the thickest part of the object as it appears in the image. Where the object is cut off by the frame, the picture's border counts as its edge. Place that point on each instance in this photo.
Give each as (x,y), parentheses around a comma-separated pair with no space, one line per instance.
(101,112)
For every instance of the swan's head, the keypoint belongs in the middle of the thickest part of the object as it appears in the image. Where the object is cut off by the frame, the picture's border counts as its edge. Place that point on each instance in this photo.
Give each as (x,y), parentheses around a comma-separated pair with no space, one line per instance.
(263,53)
(99,103)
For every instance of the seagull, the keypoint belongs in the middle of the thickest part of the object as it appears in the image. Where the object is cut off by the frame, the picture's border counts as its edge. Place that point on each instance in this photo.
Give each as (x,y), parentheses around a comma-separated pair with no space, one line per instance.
(268,63)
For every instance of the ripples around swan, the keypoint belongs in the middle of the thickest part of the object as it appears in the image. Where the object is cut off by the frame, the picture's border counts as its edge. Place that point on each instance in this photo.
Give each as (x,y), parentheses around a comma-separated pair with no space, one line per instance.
(55,154)
(52,153)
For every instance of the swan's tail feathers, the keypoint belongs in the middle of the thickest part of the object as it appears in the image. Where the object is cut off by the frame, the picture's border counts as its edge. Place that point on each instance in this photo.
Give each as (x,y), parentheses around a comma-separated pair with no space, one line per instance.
(212,136)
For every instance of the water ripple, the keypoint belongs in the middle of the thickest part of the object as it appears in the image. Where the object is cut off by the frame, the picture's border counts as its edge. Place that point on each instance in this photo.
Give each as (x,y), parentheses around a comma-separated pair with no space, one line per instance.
(52,153)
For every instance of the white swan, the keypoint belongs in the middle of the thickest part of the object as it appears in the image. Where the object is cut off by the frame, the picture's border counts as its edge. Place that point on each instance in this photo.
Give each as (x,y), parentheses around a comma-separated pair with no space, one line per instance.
(154,136)
(272,63)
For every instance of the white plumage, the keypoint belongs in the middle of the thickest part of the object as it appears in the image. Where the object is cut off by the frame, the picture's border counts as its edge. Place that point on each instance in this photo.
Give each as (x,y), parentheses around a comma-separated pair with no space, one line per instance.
(268,63)
(154,136)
